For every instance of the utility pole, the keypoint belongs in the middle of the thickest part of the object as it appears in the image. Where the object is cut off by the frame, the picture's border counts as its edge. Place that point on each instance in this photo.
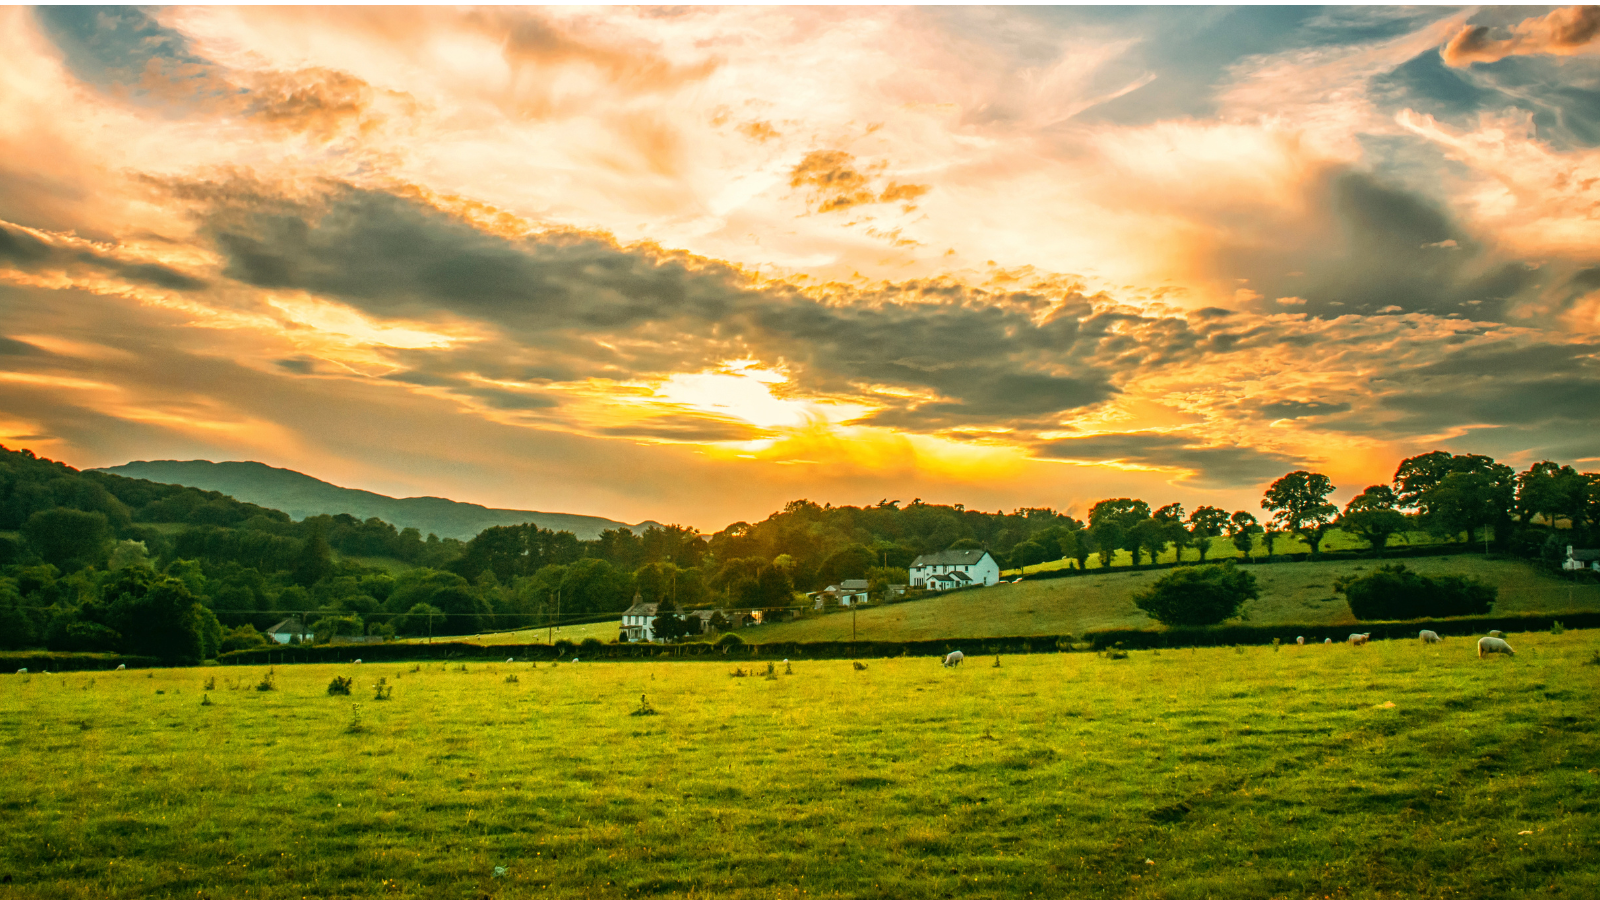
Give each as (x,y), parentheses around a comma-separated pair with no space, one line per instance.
(852,623)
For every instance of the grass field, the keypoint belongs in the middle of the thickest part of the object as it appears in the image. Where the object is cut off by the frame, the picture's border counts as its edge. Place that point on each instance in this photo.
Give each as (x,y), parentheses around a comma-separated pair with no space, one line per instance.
(603,631)
(1391,770)
(1291,593)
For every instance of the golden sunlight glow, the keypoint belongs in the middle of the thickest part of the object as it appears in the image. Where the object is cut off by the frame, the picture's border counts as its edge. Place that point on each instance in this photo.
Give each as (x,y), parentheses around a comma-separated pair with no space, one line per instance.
(743,391)
(341,321)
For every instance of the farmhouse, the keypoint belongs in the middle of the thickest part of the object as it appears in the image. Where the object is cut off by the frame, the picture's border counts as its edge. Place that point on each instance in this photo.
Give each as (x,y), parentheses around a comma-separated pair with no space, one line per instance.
(636,621)
(289,630)
(1581,559)
(959,568)
(850,592)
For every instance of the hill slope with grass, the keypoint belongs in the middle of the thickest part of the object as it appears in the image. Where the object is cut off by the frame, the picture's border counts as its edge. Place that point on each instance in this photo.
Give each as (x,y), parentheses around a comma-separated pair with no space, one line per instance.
(1292,593)
(301,495)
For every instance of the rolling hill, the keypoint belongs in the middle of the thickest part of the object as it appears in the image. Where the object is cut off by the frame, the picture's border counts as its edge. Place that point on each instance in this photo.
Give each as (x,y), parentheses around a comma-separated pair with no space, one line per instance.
(300,495)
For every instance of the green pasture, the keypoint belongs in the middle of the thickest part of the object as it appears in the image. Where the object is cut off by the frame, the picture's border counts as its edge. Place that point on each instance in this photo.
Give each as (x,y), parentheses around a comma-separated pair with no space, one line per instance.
(1292,593)
(1391,770)
(602,631)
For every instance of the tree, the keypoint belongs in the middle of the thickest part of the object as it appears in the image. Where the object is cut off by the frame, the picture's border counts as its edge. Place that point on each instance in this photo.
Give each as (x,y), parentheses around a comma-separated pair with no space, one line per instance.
(421,618)
(316,558)
(1110,522)
(1372,517)
(667,625)
(1457,493)
(1169,521)
(1299,503)
(1198,595)
(1079,545)
(1242,528)
(1205,524)
(1394,592)
(68,539)
(1027,554)
(156,616)
(1550,490)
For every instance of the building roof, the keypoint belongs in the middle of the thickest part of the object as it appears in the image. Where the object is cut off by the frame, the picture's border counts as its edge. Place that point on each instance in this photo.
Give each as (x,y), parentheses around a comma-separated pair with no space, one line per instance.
(290,625)
(950,558)
(641,609)
(1585,555)
(854,584)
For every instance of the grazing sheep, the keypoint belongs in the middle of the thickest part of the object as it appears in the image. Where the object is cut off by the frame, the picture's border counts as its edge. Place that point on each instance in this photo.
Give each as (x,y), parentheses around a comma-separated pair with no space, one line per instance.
(1300,640)
(1493,645)
(511,659)
(1357,640)
(954,658)
(358,662)
(1327,640)
(121,666)
(1496,633)
(22,671)
(1428,637)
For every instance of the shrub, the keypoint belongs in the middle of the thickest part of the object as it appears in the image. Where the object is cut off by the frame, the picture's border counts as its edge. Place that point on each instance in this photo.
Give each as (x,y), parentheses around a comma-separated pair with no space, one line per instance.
(591,645)
(1395,592)
(339,686)
(730,640)
(1198,595)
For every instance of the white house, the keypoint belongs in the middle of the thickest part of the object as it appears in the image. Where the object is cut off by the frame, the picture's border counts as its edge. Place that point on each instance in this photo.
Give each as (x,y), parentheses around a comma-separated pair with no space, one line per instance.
(637,619)
(288,630)
(974,568)
(1581,559)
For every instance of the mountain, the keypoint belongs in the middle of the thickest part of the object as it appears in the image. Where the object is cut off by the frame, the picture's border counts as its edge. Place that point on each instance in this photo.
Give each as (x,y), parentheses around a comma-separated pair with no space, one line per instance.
(300,495)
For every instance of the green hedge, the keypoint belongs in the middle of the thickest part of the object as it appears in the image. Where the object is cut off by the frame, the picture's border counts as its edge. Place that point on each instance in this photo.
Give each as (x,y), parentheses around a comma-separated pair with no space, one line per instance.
(36,661)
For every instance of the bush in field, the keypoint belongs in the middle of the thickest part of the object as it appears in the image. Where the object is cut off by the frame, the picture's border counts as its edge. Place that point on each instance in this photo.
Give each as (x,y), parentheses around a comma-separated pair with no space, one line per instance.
(339,686)
(1198,595)
(1394,592)
(730,640)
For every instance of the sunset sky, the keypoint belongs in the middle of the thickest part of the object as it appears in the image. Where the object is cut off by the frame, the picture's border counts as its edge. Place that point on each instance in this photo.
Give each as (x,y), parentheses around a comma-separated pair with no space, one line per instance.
(688,264)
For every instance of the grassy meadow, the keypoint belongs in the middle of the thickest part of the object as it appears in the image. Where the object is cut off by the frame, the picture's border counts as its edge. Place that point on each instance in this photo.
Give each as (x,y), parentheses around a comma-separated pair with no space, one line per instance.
(1292,593)
(602,631)
(1389,770)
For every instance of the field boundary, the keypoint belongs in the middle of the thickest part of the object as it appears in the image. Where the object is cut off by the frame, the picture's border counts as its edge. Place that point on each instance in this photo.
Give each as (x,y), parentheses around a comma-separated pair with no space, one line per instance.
(1153,638)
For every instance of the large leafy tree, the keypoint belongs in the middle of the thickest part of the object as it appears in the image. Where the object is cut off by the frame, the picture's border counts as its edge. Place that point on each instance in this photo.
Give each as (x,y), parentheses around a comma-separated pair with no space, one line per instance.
(1112,524)
(1206,523)
(68,539)
(1169,530)
(1372,517)
(1299,503)
(1242,529)
(1456,493)
(155,614)
(1551,490)
(1198,595)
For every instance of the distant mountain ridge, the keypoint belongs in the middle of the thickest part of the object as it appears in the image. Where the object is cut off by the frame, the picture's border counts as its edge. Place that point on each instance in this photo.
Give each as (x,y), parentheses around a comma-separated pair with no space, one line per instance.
(301,495)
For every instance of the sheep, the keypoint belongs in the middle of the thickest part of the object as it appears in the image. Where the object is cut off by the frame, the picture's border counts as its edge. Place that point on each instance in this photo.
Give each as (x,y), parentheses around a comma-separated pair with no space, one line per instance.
(1428,637)
(954,658)
(1327,640)
(1300,641)
(121,666)
(1496,633)
(22,671)
(1357,640)
(511,659)
(1493,645)
(358,662)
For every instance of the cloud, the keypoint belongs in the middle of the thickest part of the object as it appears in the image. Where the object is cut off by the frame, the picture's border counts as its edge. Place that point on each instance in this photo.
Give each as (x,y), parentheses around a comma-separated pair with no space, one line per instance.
(37,251)
(1562,32)
(1230,466)
(835,184)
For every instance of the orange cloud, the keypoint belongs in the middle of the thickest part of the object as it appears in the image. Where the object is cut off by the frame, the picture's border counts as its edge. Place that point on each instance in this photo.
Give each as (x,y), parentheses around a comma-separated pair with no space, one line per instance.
(1564,32)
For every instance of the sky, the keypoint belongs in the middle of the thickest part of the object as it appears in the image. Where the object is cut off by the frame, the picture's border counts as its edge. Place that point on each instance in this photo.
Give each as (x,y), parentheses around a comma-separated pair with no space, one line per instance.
(691,263)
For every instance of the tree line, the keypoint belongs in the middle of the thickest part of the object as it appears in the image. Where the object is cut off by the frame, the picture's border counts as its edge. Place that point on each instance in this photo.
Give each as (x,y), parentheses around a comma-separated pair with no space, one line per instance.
(89,559)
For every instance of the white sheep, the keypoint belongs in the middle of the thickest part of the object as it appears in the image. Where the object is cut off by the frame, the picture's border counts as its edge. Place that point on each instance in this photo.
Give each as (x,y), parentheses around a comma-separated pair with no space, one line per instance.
(1493,645)
(954,658)
(121,666)
(1327,640)
(1496,633)
(1300,640)
(511,659)
(1357,640)
(22,671)
(1429,637)
(358,662)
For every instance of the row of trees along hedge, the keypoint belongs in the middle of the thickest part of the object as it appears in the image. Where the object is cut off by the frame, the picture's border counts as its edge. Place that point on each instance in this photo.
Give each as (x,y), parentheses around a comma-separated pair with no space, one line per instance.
(251,566)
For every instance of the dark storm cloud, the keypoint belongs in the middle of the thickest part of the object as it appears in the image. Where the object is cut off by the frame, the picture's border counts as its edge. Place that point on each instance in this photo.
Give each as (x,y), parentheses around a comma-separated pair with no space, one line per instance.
(29,253)
(114,45)
(1224,466)
(595,309)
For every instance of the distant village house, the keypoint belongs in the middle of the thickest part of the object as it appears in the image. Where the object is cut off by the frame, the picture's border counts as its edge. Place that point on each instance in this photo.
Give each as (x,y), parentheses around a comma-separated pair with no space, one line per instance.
(1577,560)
